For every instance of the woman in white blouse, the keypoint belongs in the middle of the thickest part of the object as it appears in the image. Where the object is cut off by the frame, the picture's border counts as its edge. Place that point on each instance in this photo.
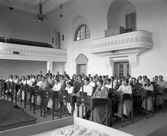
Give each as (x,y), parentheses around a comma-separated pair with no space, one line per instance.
(56,88)
(70,89)
(127,108)
(108,83)
(87,88)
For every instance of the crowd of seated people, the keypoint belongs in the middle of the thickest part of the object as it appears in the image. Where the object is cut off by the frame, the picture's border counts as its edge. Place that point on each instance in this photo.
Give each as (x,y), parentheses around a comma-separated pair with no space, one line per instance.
(96,86)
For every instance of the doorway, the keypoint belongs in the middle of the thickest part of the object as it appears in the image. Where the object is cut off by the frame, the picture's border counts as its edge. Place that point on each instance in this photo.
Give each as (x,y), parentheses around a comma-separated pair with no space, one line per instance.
(81,69)
(131,21)
(81,64)
(121,69)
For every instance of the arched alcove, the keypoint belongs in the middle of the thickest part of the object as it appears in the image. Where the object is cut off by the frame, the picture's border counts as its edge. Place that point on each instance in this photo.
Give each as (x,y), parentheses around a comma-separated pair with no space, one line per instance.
(81,64)
(117,13)
(78,21)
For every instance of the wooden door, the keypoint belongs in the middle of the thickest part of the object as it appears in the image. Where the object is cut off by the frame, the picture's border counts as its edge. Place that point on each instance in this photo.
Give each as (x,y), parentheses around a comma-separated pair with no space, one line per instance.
(121,69)
(81,69)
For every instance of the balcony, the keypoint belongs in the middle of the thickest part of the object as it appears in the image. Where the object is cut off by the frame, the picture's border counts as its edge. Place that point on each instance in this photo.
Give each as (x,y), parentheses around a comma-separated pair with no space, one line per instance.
(21,52)
(129,45)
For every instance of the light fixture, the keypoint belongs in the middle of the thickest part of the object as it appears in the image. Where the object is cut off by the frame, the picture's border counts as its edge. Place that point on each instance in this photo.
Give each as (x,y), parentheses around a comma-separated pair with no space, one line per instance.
(60,11)
(40,17)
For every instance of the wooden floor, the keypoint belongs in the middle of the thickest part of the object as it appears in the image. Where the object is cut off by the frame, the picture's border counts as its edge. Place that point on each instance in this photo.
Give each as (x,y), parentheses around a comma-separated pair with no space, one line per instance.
(141,126)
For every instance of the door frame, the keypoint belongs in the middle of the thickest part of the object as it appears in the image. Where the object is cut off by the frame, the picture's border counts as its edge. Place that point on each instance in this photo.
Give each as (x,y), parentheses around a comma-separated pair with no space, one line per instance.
(126,20)
(120,59)
(81,59)
(80,65)
(124,69)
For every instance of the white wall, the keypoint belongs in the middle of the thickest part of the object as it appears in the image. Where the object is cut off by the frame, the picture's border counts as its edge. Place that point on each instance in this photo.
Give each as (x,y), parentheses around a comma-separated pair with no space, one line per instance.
(21,67)
(151,16)
(58,66)
(19,24)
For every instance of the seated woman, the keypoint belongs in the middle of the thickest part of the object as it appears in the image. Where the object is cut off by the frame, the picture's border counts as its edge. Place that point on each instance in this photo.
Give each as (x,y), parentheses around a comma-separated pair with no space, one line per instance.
(56,88)
(70,89)
(108,83)
(87,88)
(100,111)
(148,86)
(125,88)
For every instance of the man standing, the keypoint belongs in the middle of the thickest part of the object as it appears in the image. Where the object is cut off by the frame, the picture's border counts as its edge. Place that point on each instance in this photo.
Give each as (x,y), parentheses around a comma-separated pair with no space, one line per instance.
(161,85)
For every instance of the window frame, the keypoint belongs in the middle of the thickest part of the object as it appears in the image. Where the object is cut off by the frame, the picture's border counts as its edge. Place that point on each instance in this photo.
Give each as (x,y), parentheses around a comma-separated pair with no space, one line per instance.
(82,35)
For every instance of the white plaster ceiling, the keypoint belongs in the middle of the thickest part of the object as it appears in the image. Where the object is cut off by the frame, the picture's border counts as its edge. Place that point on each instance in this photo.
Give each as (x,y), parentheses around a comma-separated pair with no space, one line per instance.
(32,5)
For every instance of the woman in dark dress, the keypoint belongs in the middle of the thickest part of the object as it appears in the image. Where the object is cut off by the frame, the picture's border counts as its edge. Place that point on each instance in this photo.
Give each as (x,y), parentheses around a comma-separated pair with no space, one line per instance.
(99,115)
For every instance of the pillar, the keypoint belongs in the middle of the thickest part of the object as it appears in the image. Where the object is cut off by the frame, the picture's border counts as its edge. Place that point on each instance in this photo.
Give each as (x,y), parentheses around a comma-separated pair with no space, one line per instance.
(50,66)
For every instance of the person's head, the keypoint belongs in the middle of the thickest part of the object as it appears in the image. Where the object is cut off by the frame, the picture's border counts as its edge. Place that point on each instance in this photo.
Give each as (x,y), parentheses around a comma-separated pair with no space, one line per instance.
(69,84)
(156,78)
(160,78)
(48,71)
(116,78)
(128,76)
(108,81)
(134,79)
(147,81)
(28,77)
(104,77)
(144,77)
(11,76)
(125,82)
(99,83)
(43,79)
(39,78)
(86,81)
(57,81)
(74,76)
(67,78)
(100,77)
(112,78)
(23,78)
(91,79)
(140,77)
(40,72)
(15,77)
(79,77)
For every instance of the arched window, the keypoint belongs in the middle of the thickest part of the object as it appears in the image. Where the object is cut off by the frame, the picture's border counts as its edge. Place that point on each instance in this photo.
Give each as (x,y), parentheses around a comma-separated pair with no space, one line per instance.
(82,33)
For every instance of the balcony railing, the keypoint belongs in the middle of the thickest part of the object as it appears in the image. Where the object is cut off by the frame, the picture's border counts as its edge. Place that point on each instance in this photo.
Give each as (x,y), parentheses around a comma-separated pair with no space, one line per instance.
(20,52)
(127,43)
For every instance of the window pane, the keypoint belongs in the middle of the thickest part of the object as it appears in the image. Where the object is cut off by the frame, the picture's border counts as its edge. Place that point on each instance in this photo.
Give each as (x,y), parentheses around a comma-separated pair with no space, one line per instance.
(82,33)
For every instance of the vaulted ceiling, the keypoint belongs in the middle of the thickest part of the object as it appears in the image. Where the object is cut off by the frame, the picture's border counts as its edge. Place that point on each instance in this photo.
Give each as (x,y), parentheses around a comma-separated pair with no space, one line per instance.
(32,5)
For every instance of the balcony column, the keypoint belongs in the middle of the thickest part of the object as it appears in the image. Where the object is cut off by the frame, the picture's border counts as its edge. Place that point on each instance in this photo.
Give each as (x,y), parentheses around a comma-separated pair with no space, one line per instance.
(50,66)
